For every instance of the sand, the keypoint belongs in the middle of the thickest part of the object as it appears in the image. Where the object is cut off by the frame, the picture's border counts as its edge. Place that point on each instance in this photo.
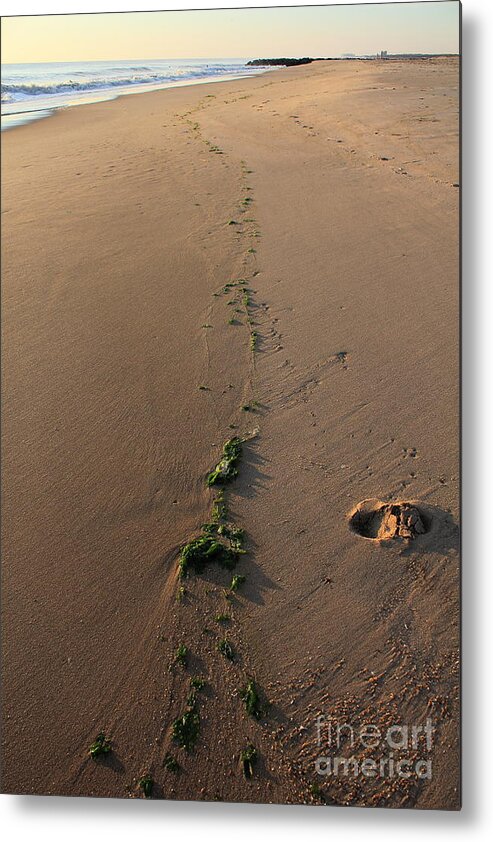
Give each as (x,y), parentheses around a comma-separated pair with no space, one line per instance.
(341,181)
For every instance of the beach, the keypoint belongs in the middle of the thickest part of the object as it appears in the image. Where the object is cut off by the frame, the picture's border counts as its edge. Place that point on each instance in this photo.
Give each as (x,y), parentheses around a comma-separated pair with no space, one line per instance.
(274,258)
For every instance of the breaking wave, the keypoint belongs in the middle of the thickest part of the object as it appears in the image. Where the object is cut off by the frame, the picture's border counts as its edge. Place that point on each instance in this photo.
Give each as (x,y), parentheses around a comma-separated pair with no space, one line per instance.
(17,91)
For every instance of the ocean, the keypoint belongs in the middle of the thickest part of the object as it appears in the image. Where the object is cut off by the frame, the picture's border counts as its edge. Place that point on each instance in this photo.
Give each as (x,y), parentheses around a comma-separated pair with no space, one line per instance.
(33,91)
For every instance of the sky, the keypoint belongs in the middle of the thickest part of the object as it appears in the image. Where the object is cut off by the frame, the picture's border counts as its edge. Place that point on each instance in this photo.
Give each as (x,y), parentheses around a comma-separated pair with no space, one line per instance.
(427,27)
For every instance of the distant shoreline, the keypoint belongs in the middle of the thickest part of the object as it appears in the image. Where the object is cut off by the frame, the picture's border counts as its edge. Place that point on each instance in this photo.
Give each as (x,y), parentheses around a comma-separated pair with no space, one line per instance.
(295,62)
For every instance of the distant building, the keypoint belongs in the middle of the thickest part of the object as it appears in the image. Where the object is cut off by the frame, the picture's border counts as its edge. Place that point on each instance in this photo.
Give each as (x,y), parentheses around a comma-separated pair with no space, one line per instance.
(383,54)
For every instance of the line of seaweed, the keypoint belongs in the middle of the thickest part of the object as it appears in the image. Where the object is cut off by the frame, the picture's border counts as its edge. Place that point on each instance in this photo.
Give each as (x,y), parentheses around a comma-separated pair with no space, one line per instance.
(220,540)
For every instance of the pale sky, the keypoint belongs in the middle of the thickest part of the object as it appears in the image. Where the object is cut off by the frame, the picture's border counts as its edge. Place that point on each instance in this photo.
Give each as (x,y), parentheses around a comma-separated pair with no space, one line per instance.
(427,27)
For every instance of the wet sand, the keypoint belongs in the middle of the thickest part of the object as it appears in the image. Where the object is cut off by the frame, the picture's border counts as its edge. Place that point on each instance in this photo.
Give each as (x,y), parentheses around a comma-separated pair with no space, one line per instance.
(339,181)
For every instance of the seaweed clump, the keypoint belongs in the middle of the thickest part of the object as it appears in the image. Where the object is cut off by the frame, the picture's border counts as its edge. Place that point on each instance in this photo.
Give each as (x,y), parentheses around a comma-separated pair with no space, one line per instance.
(100,746)
(186,728)
(170,763)
(234,534)
(146,784)
(220,543)
(181,655)
(236,582)
(226,469)
(247,759)
(225,648)
(201,551)
(250,697)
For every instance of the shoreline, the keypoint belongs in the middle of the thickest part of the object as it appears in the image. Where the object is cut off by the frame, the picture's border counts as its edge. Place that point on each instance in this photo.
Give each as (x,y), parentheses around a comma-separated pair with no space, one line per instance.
(49,111)
(270,258)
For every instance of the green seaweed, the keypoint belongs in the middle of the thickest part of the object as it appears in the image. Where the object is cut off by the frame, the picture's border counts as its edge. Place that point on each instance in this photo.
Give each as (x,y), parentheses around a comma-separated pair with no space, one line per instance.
(203,550)
(225,648)
(234,534)
(171,763)
(249,695)
(236,582)
(146,783)
(248,758)
(186,728)
(219,507)
(181,655)
(192,699)
(226,469)
(196,685)
(100,746)
(317,792)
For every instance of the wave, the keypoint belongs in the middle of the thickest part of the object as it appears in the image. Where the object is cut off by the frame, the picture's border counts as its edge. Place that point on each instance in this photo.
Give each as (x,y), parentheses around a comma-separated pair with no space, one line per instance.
(15,91)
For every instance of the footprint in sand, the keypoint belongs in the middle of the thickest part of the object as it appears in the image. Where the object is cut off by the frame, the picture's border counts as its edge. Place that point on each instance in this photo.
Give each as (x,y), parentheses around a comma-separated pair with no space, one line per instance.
(380,521)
